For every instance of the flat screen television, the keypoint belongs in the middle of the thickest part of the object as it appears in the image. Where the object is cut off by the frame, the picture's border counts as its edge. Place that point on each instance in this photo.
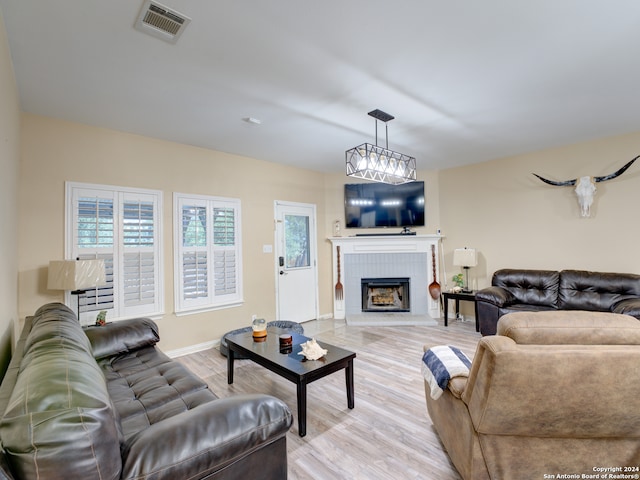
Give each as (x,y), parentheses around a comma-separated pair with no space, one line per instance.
(374,205)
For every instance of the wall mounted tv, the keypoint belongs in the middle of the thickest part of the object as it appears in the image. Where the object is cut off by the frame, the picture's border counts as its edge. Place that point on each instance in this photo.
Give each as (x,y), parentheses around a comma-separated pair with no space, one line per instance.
(372,205)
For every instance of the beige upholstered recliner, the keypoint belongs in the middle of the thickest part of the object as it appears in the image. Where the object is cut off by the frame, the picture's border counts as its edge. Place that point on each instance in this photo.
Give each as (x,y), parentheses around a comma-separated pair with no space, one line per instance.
(552,393)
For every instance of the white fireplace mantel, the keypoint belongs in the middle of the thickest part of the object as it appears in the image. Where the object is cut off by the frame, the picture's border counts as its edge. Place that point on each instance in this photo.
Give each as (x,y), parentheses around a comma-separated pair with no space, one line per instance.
(385,245)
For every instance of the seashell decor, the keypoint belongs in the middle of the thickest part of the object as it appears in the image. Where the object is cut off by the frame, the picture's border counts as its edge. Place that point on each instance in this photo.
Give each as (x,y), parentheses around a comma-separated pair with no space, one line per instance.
(311,350)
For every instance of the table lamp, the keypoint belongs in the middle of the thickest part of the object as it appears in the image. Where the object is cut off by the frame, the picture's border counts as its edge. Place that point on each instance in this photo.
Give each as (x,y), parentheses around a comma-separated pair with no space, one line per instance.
(78,276)
(465,258)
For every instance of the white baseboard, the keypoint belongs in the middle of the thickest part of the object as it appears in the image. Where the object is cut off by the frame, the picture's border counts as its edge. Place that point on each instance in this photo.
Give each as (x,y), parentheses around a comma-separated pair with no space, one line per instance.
(180,352)
(192,349)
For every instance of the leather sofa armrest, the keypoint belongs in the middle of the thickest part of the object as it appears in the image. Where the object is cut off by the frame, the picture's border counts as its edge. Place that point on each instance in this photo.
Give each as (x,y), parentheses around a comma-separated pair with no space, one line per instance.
(122,336)
(497,296)
(208,438)
(629,306)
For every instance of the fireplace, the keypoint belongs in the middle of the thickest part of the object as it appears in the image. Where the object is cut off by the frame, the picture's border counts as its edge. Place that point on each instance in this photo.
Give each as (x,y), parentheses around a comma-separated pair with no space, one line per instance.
(386,257)
(385,294)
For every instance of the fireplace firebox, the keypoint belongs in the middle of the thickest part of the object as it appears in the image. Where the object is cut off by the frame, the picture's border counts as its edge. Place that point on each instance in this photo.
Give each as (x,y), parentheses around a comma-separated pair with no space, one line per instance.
(385,294)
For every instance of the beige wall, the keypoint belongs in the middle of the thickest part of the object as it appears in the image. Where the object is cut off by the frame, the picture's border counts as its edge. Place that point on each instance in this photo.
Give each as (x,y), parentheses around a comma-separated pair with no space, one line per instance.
(516,221)
(498,207)
(9,161)
(55,151)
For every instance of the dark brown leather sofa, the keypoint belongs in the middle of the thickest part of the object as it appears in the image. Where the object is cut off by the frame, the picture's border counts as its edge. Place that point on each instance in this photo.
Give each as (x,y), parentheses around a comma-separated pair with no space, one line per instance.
(104,403)
(541,290)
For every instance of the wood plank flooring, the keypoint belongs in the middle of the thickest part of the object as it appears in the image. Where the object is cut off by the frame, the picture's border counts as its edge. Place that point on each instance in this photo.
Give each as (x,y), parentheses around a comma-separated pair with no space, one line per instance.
(388,435)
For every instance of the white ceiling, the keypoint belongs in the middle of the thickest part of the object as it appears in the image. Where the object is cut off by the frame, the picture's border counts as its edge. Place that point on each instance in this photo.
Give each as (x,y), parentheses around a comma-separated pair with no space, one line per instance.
(467,80)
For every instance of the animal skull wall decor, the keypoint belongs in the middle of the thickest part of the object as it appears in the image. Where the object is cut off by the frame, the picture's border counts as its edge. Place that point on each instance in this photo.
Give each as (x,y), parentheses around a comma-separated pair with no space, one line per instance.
(586,186)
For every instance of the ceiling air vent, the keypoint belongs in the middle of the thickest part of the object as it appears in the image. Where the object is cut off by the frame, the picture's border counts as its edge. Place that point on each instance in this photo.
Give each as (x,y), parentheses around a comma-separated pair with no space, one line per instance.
(160,21)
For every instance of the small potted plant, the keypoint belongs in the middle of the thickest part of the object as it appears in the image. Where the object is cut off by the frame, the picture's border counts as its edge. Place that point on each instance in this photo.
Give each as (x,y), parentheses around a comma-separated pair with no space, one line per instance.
(101,319)
(459,281)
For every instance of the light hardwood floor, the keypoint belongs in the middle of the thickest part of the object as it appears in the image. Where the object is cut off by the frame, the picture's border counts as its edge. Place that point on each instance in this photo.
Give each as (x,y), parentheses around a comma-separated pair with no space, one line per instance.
(388,435)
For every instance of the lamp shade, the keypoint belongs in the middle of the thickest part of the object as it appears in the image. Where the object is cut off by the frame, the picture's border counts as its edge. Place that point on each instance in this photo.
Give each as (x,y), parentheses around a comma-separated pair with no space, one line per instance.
(76,274)
(465,257)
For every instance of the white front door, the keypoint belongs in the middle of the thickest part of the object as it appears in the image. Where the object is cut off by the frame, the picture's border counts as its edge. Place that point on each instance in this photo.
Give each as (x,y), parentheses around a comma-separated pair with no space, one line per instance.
(296,261)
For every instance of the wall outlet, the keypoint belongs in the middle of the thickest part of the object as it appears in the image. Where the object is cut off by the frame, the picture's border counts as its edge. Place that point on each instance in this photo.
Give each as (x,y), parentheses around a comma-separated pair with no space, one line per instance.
(253,317)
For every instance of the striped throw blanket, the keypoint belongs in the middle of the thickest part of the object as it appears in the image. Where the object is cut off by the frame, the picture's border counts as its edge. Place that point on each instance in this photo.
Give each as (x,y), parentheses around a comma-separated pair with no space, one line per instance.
(442,363)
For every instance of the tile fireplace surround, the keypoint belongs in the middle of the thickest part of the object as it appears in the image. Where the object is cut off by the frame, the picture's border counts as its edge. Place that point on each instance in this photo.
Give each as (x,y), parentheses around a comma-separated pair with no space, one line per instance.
(386,256)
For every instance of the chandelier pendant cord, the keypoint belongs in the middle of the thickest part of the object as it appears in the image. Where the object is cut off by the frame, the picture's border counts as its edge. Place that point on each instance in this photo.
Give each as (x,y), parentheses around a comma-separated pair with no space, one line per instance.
(386,132)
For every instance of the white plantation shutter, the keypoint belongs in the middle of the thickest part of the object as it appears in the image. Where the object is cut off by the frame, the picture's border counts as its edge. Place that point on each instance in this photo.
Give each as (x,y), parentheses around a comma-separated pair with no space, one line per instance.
(224,226)
(100,298)
(195,273)
(123,227)
(225,272)
(94,216)
(138,224)
(93,229)
(195,276)
(224,260)
(139,279)
(139,258)
(207,252)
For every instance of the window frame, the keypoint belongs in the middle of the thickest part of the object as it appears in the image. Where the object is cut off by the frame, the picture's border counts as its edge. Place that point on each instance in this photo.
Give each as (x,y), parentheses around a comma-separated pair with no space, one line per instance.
(211,301)
(119,197)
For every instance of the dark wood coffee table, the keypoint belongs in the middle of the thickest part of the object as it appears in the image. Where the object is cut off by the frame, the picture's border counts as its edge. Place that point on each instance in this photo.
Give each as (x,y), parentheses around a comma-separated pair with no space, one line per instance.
(292,366)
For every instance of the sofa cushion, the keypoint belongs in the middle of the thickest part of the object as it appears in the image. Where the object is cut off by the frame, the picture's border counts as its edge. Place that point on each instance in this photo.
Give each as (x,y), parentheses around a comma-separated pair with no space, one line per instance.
(122,336)
(59,422)
(595,291)
(147,387)
(570,328)
(533,287)
(55,324)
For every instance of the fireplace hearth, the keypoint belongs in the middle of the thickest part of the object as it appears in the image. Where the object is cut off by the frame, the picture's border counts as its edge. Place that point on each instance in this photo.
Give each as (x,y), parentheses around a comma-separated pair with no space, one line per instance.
(385,294)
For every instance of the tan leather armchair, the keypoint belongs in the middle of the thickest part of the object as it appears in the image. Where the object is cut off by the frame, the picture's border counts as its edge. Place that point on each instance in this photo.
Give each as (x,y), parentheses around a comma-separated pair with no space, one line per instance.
(552,393)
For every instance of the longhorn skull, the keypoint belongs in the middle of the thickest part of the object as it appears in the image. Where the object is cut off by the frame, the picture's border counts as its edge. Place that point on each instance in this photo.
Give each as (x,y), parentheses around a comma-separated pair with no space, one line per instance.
(586,186)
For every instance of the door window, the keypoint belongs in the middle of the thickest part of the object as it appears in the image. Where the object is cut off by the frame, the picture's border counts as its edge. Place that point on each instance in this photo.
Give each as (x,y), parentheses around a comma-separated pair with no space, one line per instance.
(296,233)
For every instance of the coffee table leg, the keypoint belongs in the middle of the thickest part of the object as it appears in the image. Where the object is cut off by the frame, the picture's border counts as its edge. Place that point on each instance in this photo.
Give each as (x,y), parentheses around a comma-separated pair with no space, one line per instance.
(348,373)
(302,408)
(230,358)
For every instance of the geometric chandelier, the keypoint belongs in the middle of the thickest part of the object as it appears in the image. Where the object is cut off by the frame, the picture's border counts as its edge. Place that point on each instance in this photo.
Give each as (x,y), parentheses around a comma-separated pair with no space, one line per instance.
(379,164)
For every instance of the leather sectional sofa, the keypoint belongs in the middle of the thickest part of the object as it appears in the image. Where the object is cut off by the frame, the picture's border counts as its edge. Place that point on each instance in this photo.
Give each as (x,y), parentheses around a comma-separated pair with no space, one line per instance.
(551,393)
(540,290)
(104,403)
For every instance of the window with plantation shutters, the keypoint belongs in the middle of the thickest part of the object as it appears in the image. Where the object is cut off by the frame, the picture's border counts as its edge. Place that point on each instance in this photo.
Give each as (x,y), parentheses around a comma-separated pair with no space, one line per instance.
(207,253)
(122,226)
(138,260)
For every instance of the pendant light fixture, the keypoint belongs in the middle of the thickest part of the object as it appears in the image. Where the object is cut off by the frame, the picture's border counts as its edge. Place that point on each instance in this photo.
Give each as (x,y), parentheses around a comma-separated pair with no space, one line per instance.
(379,164)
